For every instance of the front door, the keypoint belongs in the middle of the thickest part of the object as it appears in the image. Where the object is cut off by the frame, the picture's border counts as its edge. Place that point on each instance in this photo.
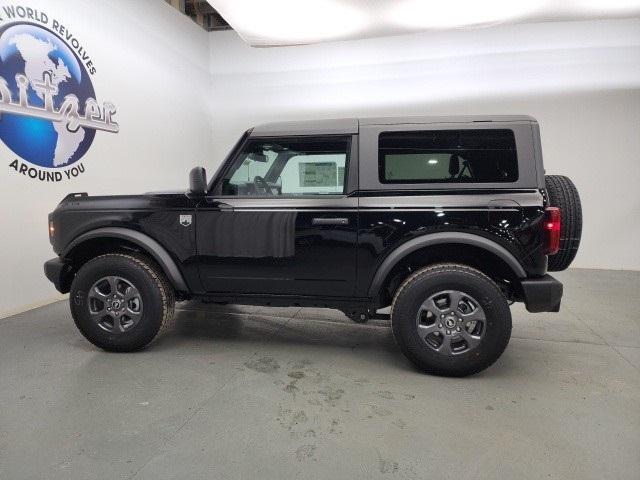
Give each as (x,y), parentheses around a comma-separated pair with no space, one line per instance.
(279,220)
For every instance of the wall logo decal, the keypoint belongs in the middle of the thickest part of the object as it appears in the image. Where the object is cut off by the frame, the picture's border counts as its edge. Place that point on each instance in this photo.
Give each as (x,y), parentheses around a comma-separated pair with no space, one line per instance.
(49,114)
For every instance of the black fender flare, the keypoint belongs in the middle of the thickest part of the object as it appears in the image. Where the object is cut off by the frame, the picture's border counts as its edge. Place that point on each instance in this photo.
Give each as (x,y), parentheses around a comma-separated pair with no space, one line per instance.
(148,244)
(437,239)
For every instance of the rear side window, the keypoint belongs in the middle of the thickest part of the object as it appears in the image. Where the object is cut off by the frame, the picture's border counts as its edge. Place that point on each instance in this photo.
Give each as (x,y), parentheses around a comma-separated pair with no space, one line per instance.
(448,156)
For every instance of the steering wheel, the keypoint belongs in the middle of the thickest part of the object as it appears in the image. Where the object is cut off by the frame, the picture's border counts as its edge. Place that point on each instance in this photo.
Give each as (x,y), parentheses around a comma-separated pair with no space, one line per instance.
(261,184)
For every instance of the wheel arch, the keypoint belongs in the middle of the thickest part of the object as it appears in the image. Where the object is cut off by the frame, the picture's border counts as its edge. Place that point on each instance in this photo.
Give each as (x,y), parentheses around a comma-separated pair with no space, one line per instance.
(434,248)
(103,240)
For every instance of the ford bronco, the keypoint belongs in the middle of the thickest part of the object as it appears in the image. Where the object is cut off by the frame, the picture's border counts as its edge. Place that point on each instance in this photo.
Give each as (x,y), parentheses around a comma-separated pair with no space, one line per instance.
(447,220)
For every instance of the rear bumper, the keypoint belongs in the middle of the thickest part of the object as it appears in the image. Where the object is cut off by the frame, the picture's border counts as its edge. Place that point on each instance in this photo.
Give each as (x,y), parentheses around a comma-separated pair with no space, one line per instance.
(59,273)
(542,294)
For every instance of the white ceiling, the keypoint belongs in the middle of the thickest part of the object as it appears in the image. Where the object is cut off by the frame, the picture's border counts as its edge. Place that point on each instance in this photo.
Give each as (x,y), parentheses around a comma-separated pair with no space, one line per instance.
(264,23)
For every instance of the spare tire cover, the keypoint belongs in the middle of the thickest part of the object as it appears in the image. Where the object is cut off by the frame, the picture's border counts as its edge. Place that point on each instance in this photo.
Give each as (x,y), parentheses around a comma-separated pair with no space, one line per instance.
(563,193)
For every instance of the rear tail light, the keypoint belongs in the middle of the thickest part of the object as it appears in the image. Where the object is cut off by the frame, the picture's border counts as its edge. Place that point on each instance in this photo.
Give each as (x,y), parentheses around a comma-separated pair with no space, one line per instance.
(552,221)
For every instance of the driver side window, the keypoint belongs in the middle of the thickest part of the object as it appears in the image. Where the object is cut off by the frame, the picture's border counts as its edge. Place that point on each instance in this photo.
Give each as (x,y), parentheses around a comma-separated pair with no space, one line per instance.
(249,166)
(289,167)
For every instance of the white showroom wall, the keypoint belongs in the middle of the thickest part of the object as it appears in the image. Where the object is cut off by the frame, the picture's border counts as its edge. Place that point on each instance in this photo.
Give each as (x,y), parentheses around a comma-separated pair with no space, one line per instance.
(581,80)
(152,63)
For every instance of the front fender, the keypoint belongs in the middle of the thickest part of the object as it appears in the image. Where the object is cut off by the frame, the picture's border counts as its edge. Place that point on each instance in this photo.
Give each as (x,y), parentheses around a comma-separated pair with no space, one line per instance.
(145,242)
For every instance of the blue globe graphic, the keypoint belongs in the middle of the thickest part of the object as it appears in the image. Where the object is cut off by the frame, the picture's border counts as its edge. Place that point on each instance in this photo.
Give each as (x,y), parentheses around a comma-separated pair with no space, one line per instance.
(39,141)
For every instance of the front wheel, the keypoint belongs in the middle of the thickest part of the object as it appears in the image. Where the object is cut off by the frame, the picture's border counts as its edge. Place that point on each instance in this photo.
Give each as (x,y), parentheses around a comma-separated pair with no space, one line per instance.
(451,320)
(121,302)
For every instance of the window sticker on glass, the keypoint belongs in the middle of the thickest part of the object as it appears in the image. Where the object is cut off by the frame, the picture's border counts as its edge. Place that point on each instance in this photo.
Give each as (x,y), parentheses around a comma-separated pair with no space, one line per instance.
(318,174)
(340,175)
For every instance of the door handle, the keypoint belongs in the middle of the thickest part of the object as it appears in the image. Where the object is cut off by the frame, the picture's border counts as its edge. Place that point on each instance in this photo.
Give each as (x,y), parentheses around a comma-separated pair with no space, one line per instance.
(330,221)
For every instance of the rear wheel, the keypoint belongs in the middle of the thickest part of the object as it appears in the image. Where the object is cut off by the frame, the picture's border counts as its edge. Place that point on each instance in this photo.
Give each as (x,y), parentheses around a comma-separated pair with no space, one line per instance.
(564,195)
(451,320)
(121,302)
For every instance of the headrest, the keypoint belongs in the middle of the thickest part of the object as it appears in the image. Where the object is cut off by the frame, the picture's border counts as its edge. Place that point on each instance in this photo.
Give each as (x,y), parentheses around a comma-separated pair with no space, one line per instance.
(454,165)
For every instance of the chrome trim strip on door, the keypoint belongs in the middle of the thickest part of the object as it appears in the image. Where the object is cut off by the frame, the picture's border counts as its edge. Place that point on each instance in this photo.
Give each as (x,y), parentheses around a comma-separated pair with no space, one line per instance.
(301,209)
(532,199)
(493,201)
(289,203)
(388,209)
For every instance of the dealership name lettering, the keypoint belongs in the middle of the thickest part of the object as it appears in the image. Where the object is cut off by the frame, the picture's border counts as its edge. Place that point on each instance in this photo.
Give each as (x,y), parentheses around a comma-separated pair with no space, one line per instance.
(94,116)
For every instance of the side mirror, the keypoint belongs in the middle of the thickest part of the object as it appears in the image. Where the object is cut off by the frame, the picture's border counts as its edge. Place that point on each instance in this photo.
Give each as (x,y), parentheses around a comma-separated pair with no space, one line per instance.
(198,181)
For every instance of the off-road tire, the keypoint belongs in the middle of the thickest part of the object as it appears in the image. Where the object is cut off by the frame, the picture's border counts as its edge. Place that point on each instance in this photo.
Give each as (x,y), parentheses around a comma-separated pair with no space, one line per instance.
(563,193)
(158,299)
(426,282)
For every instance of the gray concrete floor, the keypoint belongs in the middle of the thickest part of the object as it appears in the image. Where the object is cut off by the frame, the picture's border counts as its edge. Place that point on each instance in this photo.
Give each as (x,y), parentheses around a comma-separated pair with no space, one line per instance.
(249,392)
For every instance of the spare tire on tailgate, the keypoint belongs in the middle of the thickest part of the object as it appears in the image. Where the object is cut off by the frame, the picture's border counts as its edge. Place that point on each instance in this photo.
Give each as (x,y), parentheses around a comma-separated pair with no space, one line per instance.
(563,193)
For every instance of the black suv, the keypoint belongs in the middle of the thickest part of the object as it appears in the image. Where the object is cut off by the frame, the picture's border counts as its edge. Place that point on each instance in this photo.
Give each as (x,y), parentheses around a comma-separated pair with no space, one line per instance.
(447,220)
